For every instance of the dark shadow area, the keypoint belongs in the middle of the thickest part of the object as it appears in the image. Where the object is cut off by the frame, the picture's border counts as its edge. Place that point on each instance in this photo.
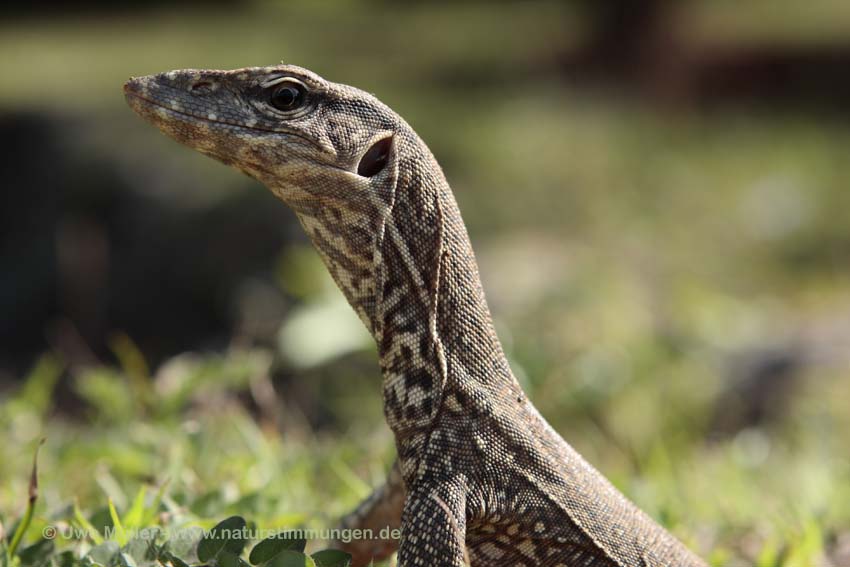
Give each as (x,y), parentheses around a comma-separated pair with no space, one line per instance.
(85,254)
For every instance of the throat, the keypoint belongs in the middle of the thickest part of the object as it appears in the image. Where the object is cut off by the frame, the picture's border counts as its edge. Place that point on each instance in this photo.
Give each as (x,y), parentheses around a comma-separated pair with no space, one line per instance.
(344,243)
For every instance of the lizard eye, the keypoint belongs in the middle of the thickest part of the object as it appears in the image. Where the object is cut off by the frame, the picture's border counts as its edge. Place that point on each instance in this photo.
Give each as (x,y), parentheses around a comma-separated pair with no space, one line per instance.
(288,96)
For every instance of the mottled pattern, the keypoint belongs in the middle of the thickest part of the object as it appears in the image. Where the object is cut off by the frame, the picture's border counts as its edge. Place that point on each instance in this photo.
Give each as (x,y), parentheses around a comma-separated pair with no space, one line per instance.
(481,477)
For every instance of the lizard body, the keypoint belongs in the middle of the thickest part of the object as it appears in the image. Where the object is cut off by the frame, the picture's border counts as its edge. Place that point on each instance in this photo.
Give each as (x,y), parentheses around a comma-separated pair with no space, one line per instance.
(481,477)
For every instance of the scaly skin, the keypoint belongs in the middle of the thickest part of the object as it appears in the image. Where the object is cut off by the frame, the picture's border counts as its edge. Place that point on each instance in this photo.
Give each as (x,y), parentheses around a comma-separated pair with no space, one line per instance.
(484,480)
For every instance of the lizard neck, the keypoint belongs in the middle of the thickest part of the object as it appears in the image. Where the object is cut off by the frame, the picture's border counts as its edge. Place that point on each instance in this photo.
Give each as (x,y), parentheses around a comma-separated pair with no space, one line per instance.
(434,331)
(405,264)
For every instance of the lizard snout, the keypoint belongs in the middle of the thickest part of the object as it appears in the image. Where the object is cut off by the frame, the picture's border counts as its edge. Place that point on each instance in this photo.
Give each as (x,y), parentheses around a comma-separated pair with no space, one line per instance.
(132,86)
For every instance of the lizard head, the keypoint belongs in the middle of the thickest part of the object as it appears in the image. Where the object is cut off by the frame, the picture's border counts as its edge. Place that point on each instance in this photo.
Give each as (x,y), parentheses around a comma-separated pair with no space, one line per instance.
(312,142)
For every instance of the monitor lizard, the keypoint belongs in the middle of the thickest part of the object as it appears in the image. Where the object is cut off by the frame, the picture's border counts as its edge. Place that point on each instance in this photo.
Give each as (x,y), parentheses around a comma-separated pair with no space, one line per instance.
(481,478)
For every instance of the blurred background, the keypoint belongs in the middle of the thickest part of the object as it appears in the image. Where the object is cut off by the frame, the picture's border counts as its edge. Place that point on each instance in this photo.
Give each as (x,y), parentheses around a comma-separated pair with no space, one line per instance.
(657,192)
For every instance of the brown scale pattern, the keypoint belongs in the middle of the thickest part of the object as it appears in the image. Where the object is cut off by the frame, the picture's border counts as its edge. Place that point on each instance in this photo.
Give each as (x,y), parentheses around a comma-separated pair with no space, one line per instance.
(481,478)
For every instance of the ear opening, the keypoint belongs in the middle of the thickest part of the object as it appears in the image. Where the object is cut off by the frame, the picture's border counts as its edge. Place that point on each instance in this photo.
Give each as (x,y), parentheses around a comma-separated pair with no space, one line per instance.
(375,158)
